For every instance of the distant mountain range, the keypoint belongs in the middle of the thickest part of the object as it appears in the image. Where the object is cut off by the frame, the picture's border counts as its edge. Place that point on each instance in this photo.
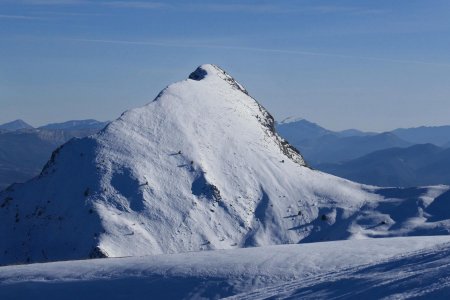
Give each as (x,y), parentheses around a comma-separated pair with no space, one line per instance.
(439,135)
(418,165)
(319,145)
(331,148)
(299,129)
(76,125)
(24,150)
(402,157)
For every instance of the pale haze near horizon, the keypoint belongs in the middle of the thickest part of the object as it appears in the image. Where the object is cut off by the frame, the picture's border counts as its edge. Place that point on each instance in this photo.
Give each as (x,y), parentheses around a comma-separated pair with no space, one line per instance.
(371,66)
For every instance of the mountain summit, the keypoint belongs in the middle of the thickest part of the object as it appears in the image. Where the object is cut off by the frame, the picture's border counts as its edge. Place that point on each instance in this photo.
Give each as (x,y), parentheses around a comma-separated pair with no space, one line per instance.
(200,167)
(15,125)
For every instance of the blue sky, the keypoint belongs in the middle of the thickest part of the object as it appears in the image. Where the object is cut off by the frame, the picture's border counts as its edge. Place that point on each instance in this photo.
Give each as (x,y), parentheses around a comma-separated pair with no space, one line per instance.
(373,65)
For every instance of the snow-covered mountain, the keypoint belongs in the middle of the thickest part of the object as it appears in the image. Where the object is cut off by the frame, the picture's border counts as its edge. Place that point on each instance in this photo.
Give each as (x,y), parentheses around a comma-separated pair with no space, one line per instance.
(201,167)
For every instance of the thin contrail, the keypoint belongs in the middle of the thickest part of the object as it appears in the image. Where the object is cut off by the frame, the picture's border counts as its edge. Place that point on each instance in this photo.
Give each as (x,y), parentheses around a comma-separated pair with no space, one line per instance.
(268,50)
(20,17)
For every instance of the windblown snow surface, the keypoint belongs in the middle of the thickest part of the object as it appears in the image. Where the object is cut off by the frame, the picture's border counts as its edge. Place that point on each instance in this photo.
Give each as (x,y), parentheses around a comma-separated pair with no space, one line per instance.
(360,269)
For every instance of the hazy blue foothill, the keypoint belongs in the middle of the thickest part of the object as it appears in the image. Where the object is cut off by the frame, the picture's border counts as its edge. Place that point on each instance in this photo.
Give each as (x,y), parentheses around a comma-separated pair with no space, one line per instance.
(418,165)
(76,125)
(438,135)
(320,145)
(15,125)
(401,157)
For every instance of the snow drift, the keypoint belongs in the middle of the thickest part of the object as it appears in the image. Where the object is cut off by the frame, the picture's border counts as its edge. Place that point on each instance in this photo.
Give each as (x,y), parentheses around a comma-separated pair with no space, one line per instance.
(201,167)
(394,268)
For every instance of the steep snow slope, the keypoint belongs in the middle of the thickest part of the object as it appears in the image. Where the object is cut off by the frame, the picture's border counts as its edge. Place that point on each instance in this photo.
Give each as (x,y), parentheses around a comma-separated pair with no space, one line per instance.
(349,269)
(198,168)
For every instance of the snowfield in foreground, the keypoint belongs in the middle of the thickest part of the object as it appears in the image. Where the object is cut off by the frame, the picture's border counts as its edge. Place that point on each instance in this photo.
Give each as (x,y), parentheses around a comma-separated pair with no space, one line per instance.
(372,268)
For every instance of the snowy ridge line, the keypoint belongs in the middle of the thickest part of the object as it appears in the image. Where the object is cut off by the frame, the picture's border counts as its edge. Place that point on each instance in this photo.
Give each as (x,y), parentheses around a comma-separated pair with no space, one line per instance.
(267,120)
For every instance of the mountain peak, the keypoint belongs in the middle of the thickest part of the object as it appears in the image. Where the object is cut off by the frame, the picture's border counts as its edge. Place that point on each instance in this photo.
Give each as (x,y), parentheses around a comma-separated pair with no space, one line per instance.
(15,125)
(204,70)
(209,71)
(293,119)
